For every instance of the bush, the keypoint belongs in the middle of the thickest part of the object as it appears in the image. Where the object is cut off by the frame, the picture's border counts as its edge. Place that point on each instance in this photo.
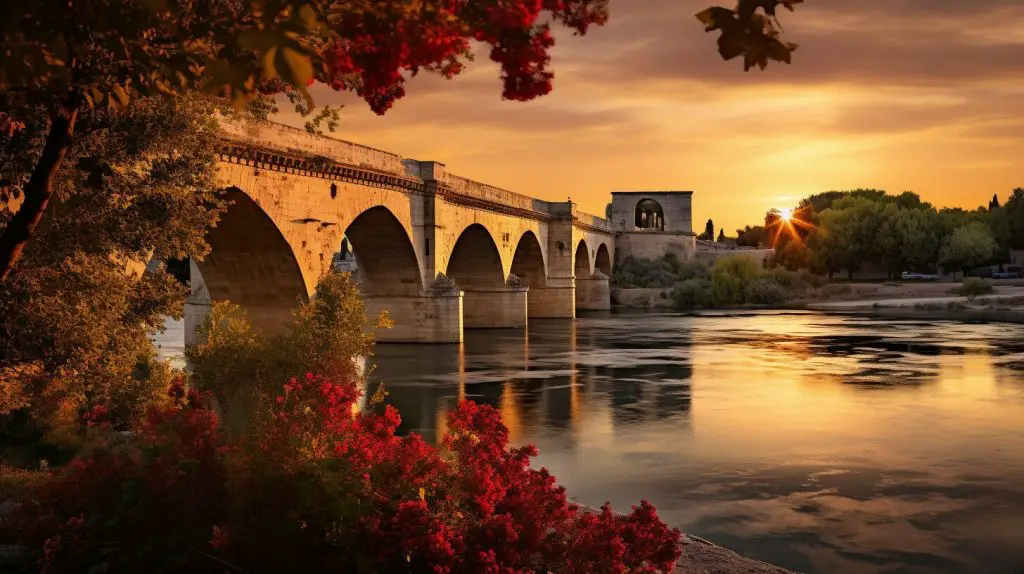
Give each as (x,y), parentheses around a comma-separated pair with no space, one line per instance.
(743,268)
(813,279)
(790,280)
(322,488)
(974,286)
(765,292)
(692,293)
(237,364)
(726,290)
(656,273)
(730,277)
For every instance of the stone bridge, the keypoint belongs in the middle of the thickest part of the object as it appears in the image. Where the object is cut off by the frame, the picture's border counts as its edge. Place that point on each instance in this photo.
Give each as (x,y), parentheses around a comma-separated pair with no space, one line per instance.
(441,253)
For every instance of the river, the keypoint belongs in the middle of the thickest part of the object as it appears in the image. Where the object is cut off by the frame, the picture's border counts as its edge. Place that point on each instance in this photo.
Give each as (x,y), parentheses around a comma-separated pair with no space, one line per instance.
(820,443)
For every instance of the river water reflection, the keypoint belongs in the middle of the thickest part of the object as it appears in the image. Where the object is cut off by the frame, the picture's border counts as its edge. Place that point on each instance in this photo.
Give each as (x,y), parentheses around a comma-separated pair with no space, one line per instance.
(820,443)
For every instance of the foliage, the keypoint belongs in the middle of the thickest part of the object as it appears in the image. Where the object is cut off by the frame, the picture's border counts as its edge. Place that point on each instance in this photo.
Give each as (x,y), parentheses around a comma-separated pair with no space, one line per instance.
(765,291)
(16,482)
(794,255)
(738,280)
(974,286)
(663,272)
(324,488)
(752,237)
(727,290)
(692,293)
(970,246)
(743,268)
(75,316)
(237,362)
(845,229)
(748,33)
(809,279)
(709,232)
(229,355)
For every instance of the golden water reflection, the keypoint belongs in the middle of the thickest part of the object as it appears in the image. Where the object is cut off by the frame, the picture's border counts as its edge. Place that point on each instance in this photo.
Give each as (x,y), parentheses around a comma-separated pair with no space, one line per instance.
(824,444)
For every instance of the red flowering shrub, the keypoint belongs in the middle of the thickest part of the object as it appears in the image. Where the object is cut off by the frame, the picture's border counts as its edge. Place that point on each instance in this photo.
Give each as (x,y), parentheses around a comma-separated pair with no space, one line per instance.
(377,44)
(317,487)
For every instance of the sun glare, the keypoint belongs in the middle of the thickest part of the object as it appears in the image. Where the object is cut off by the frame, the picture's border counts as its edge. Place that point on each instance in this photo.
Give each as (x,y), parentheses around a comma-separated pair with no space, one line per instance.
(786,213)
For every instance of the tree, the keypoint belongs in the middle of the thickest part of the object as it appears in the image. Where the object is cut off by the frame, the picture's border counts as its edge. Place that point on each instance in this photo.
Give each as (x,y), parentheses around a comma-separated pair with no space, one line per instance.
(709,231)
(74,318)
(847,233)
(889,241)
(65,58)
(994,203)
(920,239)
(969,246)
(751,236)
(721,235)
(1014,209)
(794,255)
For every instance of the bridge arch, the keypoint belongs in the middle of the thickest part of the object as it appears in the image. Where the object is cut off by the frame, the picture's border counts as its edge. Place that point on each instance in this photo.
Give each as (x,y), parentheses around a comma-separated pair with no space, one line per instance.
(475,260)
(528,261)
(581,261)
(384,253)
(603,261)
(252,265)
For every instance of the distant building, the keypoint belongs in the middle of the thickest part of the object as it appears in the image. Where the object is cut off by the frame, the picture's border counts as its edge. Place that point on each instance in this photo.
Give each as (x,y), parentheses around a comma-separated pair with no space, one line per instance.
(653,223)
(345,259)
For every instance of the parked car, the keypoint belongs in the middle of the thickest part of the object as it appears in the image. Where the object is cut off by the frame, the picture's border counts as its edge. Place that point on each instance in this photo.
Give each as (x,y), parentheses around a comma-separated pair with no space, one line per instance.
(1006,275)
(908,276)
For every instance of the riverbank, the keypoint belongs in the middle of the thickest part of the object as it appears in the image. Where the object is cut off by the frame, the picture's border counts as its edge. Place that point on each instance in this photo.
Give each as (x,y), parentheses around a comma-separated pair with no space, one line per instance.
(1006,304)
(896,300)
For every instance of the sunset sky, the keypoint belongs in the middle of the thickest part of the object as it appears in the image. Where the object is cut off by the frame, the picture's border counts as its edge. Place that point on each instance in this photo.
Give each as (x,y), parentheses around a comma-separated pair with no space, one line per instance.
(925,95)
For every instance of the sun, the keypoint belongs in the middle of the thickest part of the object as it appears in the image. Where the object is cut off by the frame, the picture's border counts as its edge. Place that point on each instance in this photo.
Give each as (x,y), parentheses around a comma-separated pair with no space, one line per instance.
(786,214)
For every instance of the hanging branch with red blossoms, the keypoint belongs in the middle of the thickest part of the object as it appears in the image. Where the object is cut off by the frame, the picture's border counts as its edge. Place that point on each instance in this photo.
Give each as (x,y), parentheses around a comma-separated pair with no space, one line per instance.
(369,47)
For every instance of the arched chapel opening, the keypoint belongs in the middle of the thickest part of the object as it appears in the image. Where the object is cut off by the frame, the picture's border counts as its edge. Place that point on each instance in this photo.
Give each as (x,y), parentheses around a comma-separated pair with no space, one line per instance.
(649,215)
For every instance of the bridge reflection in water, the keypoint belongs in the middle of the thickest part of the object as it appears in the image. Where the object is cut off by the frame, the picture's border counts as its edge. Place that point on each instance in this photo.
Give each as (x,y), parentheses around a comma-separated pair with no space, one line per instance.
(553,384)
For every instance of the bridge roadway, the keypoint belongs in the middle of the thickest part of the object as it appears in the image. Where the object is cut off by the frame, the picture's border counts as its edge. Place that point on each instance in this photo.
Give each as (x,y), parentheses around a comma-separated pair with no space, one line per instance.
(442,253)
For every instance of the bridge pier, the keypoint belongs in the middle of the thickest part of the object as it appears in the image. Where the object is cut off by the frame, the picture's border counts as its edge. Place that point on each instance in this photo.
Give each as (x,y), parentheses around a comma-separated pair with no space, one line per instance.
(593,293)
(495,307)
(557,300)
(432,318)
